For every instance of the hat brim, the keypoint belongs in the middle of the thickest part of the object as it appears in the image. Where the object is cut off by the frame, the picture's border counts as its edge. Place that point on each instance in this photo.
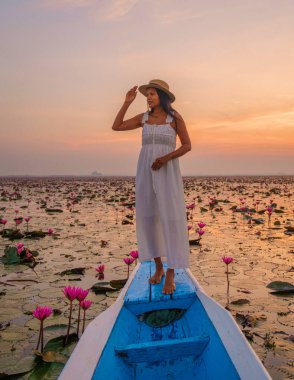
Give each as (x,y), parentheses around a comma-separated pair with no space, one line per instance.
(143,90)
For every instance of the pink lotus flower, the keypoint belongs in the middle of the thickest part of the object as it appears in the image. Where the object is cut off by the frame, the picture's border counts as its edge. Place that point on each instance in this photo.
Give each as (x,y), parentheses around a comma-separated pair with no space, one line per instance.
(18,221)
(134,254)
(269,210)
(42,312)
(28,218)
(28,254)
(19,250)
(100,269)
(82,294)
(200,232)
(227,260)
(50,231)
(19,245)
(189,228)
(86,304)
(3,221)
(128,260)
(201,225)
(70,292)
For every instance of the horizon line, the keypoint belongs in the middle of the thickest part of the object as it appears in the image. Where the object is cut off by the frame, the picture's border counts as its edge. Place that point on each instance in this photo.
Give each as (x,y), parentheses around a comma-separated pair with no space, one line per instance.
(132,175)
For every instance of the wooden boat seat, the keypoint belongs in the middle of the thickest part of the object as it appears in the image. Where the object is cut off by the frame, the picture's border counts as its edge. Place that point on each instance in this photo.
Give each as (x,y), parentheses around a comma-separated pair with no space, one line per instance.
(142,296)
(162,349)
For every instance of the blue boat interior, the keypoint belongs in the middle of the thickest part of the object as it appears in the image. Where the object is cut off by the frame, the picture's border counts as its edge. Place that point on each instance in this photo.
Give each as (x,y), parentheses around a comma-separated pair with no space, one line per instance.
(188,347)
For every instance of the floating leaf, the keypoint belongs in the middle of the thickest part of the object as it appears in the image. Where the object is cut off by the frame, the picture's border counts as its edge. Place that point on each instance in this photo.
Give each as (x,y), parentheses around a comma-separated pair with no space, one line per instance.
(12,234)
(289,228)
(56,344)
(160,318)
(118,284)
(22,366)
(194,241)
(11,256)
(72,271)
(102,288)
(258,220)
(51,356)
(61,326)
(281,286)
(240,301)
(36,234)
(46,371)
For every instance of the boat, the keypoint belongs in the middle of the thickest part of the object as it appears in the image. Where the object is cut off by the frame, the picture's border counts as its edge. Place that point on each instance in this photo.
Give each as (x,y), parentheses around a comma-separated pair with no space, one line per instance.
(146,334)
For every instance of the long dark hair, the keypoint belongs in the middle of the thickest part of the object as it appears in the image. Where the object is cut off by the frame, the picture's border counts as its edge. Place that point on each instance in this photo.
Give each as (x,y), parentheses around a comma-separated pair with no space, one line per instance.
(165,104)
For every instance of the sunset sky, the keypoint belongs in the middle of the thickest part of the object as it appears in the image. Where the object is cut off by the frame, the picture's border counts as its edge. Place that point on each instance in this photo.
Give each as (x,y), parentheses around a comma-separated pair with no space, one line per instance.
(66,65)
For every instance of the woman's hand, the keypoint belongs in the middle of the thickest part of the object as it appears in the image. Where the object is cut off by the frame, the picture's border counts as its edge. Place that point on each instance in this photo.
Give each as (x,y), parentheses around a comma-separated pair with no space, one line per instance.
(131,95)
(159,162)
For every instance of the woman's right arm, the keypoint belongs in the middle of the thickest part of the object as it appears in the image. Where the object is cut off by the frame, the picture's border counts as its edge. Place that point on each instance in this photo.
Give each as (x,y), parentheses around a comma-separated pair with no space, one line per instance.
(133,123)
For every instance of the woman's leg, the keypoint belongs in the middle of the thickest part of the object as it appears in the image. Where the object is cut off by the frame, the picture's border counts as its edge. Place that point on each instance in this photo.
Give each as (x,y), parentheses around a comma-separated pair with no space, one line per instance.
(159,272)
(169,285)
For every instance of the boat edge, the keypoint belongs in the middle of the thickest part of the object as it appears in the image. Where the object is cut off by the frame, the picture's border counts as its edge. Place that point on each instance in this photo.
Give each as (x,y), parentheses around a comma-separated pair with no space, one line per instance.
(89,354)
(220,320)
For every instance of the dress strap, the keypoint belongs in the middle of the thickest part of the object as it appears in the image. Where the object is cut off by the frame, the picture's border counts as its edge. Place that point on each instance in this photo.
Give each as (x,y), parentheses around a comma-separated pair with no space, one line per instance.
(145,117)
(169,118)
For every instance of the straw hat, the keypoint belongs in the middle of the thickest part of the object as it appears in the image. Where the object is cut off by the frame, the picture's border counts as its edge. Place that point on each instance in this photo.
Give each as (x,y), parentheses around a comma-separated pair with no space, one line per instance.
(161,85)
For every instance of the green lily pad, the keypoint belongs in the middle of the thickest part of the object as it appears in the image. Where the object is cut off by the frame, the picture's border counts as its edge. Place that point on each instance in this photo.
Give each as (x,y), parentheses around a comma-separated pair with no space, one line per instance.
(51,292)
(240,301)
(102,288)
(289,228)
(56,344)
(61,326)
(281,286)
(12,234)
(72,271)
(118,284)
(36,234)
(160,318)
(11,256)
(9,313)
(22,366)
(51,356)
(46,371)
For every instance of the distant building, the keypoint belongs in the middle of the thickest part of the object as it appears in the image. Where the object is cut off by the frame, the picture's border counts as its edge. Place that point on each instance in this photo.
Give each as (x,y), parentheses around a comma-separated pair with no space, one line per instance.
(95,173)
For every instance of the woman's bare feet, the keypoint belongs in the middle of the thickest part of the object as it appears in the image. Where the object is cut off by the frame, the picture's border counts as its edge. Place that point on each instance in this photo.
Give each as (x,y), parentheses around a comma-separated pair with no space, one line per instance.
(156,278)
(169,285)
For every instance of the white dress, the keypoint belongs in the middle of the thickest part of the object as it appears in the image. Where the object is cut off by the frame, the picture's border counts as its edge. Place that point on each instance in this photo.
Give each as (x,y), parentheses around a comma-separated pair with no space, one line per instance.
(161,222)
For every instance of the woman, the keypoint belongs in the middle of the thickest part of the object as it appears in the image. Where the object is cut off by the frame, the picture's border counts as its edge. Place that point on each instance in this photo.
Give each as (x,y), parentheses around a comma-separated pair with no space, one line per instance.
(161,222)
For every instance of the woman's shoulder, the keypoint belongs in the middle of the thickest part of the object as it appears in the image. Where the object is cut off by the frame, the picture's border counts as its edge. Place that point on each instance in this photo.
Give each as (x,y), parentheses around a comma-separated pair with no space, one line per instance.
(177,115)
(141,117)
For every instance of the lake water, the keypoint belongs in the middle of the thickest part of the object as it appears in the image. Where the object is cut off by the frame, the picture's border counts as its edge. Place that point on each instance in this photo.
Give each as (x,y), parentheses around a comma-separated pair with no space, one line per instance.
(90,232)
